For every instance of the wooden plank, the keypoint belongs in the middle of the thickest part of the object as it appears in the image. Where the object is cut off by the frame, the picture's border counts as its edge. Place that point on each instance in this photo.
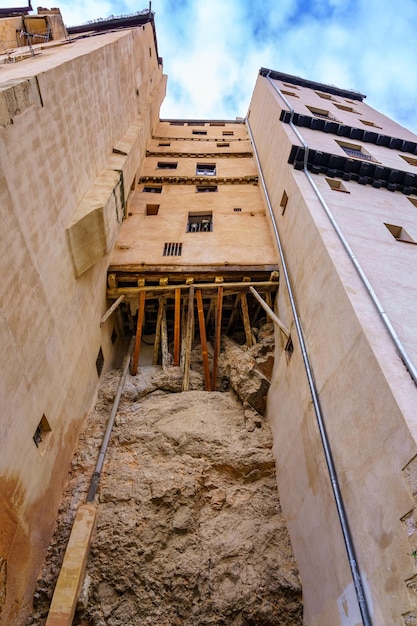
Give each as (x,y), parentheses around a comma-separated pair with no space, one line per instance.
(270,312)
(136,351)
(164,336)
(134,291)
(157,341)
(111,309)
(189,340)
(219,311)
(177,327)
(246,319)
(203,339)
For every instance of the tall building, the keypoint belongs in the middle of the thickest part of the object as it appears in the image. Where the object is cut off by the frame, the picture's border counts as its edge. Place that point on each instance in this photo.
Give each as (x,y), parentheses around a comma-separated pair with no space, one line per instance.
(309,203)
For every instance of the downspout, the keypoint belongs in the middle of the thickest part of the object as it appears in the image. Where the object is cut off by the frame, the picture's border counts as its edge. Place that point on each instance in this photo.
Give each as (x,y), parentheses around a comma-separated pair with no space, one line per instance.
(406,359)
(99,465)
(347,537)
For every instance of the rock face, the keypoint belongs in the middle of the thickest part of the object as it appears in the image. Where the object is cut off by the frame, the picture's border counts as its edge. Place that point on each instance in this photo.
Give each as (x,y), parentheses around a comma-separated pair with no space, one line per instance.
(189,528)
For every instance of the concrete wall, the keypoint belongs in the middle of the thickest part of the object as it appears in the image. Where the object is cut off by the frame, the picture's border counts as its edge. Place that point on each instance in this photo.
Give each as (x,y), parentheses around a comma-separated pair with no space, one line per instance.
(367,397)
(90,94)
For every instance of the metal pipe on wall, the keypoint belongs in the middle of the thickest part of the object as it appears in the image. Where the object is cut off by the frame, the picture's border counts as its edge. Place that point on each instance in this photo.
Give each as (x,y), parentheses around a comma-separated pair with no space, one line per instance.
(357,580)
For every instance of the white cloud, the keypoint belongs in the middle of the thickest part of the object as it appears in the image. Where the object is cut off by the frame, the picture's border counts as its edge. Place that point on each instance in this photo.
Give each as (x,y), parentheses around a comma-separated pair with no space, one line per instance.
(213,50)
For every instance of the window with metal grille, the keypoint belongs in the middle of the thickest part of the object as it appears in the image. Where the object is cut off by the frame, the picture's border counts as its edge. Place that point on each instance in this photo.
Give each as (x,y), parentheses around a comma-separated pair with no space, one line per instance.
(237,209)
(228,132)
(205,169)
(200,222)
(321,113)
(206,188)
(354,150)
(167,165)
(153,188)
(199,132)
(172,249)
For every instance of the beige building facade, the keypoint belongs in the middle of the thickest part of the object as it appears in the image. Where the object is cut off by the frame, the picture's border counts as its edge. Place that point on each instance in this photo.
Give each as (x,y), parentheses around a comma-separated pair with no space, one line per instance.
(310,202)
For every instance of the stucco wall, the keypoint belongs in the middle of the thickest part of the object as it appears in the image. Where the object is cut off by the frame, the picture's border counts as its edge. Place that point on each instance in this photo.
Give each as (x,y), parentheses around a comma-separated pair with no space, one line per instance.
(366,395)
(91,92)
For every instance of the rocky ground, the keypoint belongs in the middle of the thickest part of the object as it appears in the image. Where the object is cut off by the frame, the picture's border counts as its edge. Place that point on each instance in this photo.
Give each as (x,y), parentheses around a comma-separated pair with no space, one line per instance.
(189,527)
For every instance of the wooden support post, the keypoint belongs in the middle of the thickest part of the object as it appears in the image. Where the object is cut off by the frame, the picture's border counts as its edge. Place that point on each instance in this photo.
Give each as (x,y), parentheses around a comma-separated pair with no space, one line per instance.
(233,314)
(177,326)
(136,351)
(246,320)
(164,336)
(189,339)
(219,312)
(203,339)
(157,341)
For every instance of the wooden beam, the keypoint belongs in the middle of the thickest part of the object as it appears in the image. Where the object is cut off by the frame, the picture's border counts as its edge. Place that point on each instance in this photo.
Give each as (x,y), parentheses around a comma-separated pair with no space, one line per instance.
(164,336)
(189,339)
(270,312)
(246,320)
(111,309)
(203,339)
(136,351)
(177,326)
(157,341)
(218,332)
(114,293)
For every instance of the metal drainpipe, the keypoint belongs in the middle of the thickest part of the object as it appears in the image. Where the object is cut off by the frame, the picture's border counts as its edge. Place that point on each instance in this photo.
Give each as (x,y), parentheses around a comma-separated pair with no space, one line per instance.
(406,359)
(99,465)
(347,537)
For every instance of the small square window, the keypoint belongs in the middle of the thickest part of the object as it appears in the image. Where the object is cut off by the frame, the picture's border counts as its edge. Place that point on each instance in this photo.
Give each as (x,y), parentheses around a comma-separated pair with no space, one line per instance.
(342,107)
(354,150)
(289,93)
(284,202)
(152,188)
(152,209)
(206,188)
(290,86)
(42,431)
(336,185)
(399,233)
(200,222)
(164,143)
(167,165)
(199,132)
(206,169)
(369,123)
(320,113)
(228,133)
(223,144)
(409,160)
(217,124)
(325,96)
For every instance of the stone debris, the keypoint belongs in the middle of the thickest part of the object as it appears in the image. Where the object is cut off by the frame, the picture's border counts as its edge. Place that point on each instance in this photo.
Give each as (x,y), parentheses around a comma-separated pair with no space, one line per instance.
(189,526)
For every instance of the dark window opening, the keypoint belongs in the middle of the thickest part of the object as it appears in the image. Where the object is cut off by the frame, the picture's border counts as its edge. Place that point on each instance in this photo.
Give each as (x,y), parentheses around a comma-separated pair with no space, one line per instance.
(172,249)
(176,123)
(284,202)
(42,429)
(164,143)
(199,132)
(399,233)
(354,150)
(99,361)
(200,222)
(167,165)
(113,336)
(152,209)
(217,124)
(320,113)
(228,132)
(223,144)
(206,188)
(237,210)
(205,169)
(289,349)
(152,189)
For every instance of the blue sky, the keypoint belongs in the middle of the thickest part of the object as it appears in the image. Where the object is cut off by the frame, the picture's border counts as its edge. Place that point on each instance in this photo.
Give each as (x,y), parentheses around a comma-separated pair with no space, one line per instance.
(213,49)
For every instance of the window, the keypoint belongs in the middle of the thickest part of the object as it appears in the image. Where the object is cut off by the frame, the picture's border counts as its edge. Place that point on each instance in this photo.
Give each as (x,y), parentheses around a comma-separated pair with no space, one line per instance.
(342,107)
(176,123)
(228,133)
(42,431)
(289,93)
(336,185)
(200,222)
(354,150)
(289,349)
(325,96)
(199,132)
(164,143)
(152,209)
(206,169)
(99,361)
(290,86)
(223,144)
(196,123)
(368,123)
(206,188)
(152,188)
(284,202)
(237,209)
(399,233)
(167,165)
(413,201)
(320,113)
(172,249)
(409,160)
(217,124)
